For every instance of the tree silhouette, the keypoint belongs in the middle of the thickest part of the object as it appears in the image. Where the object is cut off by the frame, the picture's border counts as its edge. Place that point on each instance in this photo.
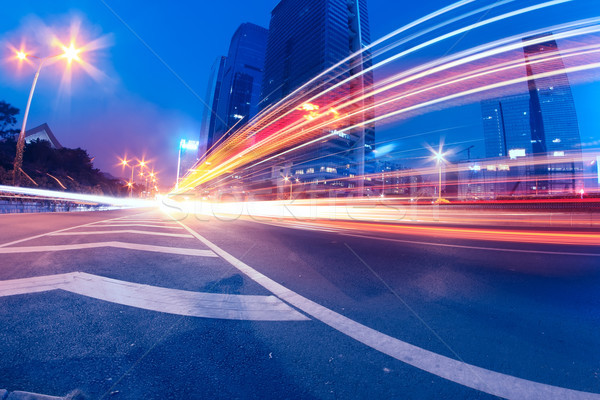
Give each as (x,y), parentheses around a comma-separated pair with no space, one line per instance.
(8,119)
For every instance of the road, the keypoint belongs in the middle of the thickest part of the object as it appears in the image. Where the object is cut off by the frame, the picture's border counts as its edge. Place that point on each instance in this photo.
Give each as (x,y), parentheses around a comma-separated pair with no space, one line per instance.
(136,304)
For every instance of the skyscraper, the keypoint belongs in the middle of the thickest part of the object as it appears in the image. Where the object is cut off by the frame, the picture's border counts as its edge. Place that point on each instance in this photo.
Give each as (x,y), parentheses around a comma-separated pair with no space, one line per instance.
(239,79)
(306,37)
(506,126)
(553,118)
(211,102)
(540,123)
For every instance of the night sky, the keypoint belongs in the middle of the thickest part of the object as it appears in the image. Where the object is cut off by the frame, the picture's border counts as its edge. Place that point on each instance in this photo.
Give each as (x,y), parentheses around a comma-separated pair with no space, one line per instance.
(138,107)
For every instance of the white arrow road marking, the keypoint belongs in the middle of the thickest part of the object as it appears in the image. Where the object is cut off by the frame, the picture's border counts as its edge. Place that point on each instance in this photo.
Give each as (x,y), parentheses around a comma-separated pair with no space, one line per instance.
(60,230)
(142,221)
(74,233)
(120,245)
(172,301)
(478,378)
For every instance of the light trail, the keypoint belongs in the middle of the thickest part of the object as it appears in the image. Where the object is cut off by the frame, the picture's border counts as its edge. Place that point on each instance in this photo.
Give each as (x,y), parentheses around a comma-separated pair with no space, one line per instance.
(87,198)
(284,135)
(479,55)
(387,217)
(233,163)
(590,50)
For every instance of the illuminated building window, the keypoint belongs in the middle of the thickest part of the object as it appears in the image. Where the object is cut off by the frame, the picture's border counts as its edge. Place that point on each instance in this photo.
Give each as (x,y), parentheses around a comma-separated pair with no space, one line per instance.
(514,153)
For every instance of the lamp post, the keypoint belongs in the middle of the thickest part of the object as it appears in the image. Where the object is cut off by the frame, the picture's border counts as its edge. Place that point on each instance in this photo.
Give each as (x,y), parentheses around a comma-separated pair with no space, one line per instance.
(70,53)
(142,164)
(287,179)
(125,163)
(185,145)
(439,157)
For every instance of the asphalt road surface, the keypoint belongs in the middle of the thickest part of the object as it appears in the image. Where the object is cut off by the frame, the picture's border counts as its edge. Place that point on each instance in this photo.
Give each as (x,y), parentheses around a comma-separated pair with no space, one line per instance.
(133,304)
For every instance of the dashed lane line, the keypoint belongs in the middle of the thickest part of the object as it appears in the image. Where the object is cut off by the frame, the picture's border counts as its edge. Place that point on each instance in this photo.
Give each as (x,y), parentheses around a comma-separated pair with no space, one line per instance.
(468,375)
(120,245)
(172,301)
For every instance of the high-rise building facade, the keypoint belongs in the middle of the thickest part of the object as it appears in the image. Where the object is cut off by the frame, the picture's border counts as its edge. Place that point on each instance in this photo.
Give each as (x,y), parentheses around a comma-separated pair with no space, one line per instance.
(212,89)
(239,80)
(215,84)
(506,126)
(307,37)
(541,124)
(554,125)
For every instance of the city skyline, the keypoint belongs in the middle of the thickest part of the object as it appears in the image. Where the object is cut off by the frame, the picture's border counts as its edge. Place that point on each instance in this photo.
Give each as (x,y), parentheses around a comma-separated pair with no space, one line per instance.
(354,199)
(170,123)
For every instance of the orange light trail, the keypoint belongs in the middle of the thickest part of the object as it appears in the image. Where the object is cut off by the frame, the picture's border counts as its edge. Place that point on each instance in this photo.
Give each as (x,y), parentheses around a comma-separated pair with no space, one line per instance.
(285,130)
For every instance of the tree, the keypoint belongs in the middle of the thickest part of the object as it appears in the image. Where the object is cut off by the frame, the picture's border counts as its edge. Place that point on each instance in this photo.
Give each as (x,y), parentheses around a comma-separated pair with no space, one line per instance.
(8,120)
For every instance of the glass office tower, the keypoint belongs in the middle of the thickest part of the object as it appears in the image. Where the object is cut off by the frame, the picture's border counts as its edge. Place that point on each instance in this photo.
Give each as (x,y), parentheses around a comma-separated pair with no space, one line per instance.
(540,124)
(237,93)
(306,37)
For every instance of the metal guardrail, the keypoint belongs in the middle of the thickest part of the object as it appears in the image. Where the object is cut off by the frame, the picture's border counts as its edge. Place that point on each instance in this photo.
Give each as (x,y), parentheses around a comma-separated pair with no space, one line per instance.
(42,206)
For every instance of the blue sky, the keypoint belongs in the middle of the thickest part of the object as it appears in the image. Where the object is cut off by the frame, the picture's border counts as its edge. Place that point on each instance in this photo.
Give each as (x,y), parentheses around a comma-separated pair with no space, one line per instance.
(140,107)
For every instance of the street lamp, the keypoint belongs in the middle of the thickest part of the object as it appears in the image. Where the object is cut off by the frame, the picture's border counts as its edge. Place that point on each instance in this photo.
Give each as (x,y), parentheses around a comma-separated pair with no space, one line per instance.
(70,53)
(439,157)
(185,145)
(287,178)
(143,164)
(125,163)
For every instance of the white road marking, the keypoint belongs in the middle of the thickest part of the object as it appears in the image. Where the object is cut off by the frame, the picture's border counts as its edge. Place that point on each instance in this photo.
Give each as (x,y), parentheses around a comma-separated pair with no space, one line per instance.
(120,245)
(478,378)
(144,221)
(132,231)
(134,224)
(172,301)
(48,233)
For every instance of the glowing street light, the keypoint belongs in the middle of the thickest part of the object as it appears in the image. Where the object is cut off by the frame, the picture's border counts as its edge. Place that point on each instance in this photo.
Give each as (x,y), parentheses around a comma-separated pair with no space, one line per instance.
(142,165)
(70,53)
(438,156)
(185,145)
(291,181)
(125,163)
